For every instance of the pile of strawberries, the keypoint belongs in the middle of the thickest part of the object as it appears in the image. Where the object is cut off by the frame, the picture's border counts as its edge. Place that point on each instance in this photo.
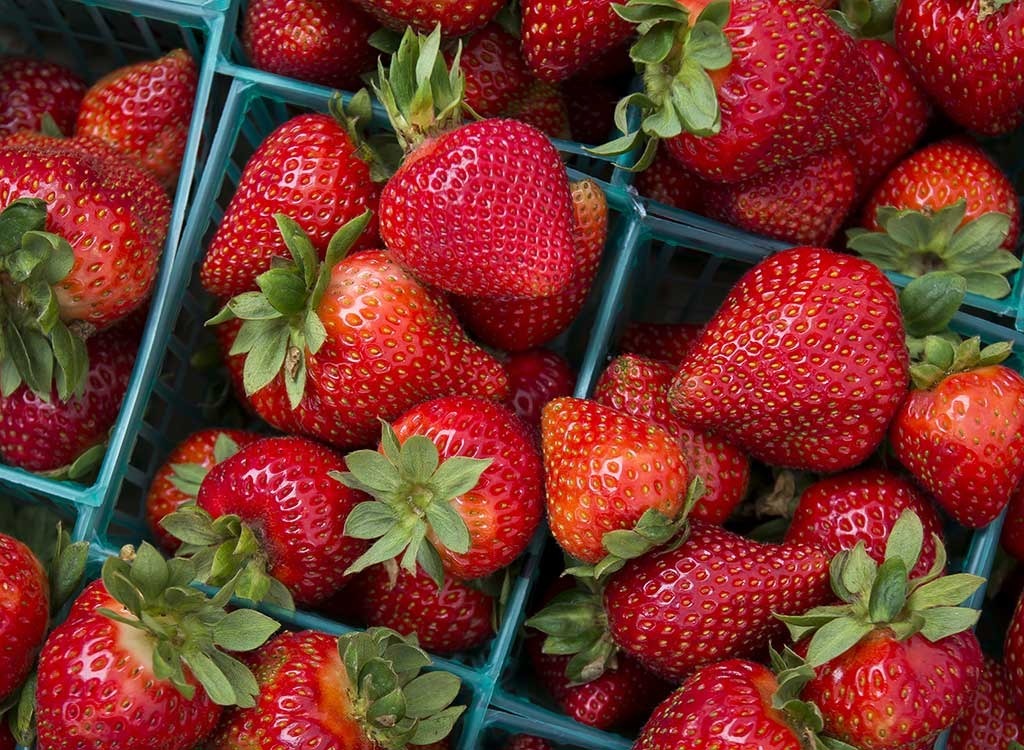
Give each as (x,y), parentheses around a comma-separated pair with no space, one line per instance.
(381,300)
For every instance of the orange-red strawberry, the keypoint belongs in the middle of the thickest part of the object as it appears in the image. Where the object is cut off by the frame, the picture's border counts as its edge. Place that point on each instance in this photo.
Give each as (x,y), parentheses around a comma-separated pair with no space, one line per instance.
(31,88)
(455,17)
(144,110)
(560,40)
(992,719)
(668,342)
(24,612)
(804,365)
(536,377)
(544,107)
(494,69)
(669,182)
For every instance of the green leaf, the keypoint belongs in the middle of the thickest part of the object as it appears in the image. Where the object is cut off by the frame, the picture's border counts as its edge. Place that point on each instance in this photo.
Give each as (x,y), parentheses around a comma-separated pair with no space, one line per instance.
(300,247)
(209,675)
(708,46)
(695,99)
(654,46)
(860,571)
(266,359)
(430,693)
(716,13)
(946,591)
(928,303)
(419,458)
(373,471)
(437,727)
(889,593)
(458,475)
(906,539)
(315,332)
(21,216)
(370,520)
(986,284)
(430,561)
(942,622)
(386,548)
(244,630)
(449,526)
(149,572)
(69,569)
(252,306)
(242,681)
(284,290)
(978,238)
(835,638)
(32,356)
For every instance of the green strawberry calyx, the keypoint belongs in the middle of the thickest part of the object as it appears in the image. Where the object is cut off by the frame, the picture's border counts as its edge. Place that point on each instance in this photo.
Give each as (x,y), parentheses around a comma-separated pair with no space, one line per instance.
(397,703)
(412,511)
(886,597)
(866,19)
(186,478)
(381,151)
(676,57)
(803,717)
(915,243)
(37,348)
(281,322)
(191,633)
(942,358)
(928,304)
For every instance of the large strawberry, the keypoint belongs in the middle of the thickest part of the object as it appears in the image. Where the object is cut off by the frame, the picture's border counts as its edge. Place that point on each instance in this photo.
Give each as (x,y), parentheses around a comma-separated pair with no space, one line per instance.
(804,364)
(455,17)
(494,70)
(535,377)
(482,209)
(458,487)
(145,110)
(321,41)
(992,719)
(667,181)
(24,612)
(315,366)
(560,40)
(960,432)
(967,54)
(142,643)
(543,106)
(30,89)
(668,342)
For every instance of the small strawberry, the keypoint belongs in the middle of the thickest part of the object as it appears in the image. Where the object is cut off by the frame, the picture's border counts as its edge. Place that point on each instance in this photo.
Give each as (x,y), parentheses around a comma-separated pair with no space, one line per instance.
(24,612)
(156,657)
(961,431)
(320,41)
(544,107)
(992,720)
(494,70)
(862,506)
(669,182)
(524,742)
(145,110)
(535,377)
(458,487)
(560,40)
(668,342)
(31,88)
(747,379)
(1013,654)
(1012,537)
(454,17)
(177,480)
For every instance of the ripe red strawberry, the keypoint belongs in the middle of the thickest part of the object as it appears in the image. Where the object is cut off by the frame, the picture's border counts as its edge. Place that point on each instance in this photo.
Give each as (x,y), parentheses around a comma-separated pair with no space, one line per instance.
(403,347)
(536,377)
(966,56)
(494,69)
(177,480)
(668,342)
(639,387)
(1013,654)
(314,691)
(320,41)
(604,471)
(31,88)
(746,377)
(473,513)
(992,719)
(456,17)
(699,617)
(805,202)
(560,40)
(277,501)
(1012,538)
(862,506)
(98,666)
(669,182)
(520,324)
(456,617)
(544,107)
(309,161)
(459,212)
(145,110)
(24,612)
(962,434)
(527,742)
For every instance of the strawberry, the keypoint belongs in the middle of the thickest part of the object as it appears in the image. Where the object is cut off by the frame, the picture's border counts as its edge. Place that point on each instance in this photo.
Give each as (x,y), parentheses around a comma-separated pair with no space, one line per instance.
(455,17)
(966,56)
(605,472)
(961,432)
(6,738)
(520,324)
(177,480)
(459,212)
(276,506)
(31,88)
(560,40)
(1013,654)
(591,108)
(1012,537)
(736,96)
(804,202)
(897,662)
(536,377)
(24,612)
(144,110)
(494,70)
(668,342)
(457,486)
(456,617)
(992,720)
(526,742)
(639,387)
(669,182)
(313,161)
(101,664)
(544,107)
(745,377)
(320,41)
(862,506)
(352,369)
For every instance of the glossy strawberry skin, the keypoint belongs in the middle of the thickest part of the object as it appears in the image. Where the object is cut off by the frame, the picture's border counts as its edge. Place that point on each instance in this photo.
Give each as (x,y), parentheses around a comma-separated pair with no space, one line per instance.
(862,506)
(964,441)
(536,377)
(504,508)
(712,598)
(307,168)
(941,174)
(40,435)
(639,387)
(455,618)
(884,694)
(163,497)
(457,17)
(759,375)
(145,110)
(604,470)
(494,70)
(320,41)
(24,612)
(992,720)
(561,39)
(1012,537)
(513,239)
(280,487)
(31,88)
(969,65)
(724,706)
(93,672)
(668,342)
